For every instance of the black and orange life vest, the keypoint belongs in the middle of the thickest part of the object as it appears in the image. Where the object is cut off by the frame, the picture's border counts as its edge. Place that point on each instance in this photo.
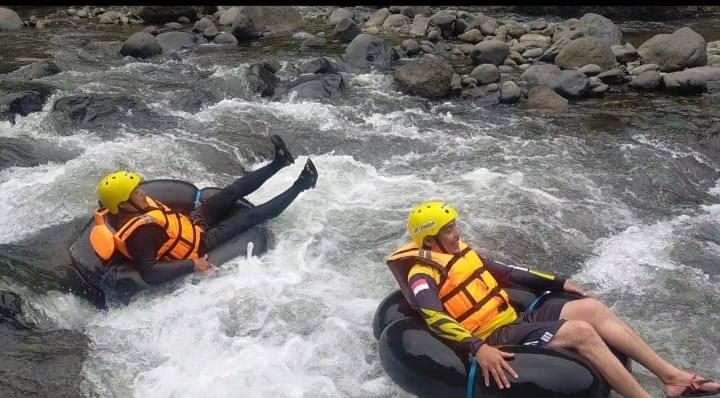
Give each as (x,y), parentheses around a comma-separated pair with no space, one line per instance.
(183,236)
(469,293)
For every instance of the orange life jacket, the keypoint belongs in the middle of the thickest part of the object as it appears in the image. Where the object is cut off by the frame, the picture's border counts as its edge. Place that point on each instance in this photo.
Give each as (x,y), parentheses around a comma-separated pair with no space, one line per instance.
(469,293)
(183,236)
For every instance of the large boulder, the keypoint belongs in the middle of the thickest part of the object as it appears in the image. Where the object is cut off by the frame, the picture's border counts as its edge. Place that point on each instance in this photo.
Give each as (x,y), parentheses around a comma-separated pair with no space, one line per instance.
(541,75)
(252,21)
(420,26)
(27,152)
(691,81)
(602,28)
(682,49)
(99,109)
(490,52)
(36,70)
(486,74)
(21,103)
(572,84)
(165,14)
(543,97)
(318,65)
(174,41)
(141,45)
(586,50)
(10,20)
(366,51)
(624,54)
(378,18)
(261,79)
(346,30)
(202,25)
(338,15)
(228,16)
(329,85)
(428,77)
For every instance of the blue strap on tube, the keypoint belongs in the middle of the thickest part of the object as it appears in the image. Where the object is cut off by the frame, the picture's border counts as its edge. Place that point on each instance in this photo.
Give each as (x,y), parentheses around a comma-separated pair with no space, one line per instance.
(537,301)
(471,377)
(198,194)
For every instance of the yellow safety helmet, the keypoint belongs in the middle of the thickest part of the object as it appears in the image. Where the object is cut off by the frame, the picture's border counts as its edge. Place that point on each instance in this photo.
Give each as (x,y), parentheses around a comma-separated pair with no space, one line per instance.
(116,188)
(427,219)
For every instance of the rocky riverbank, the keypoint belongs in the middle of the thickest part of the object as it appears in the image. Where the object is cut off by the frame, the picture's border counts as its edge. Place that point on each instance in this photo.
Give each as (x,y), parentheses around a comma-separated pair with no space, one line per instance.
(434,53)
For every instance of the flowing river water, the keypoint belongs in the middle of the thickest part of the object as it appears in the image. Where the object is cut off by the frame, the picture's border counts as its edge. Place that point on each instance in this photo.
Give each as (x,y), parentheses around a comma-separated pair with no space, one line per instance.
(621,193)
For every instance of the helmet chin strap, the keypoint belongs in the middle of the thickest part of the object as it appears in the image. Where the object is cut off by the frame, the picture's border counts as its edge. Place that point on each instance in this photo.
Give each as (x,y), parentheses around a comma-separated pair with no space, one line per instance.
(437,242)
(134,206)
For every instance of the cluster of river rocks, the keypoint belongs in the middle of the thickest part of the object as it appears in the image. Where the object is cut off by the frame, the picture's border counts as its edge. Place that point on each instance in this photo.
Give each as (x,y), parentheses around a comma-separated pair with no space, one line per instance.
(507,60)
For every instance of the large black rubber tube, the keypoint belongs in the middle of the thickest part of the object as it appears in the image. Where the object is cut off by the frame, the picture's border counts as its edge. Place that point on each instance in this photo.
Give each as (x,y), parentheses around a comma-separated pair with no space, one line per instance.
(126,282)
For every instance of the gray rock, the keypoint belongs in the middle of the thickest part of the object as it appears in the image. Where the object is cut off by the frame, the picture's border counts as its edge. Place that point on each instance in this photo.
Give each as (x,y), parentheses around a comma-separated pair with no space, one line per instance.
(346,30)
(225,39)
(510,93)
(542,97)
(572,84)
(486,74)
(318,66)
(366,51)
(210,32)
(253,21)
(105,21)
(27,152)
(682,49)
(36,70)
(164,14)
(228,16)
(202,24)
(586,50)
(378,18)
(532,53)
(302,35)
(490,52)
(10,20)
(517,31)
(314,42)
(612,76)
(141,45)
(338,15)
(624,54)
(174,41)
(644,68)
(99,109)
(538,24)
(590,70)
(444,19)
(471,36)
(434,34)
(22,103)
(327,86)
(599,90)
(455,82)
(468,81)
(261,79)
(601,28)
(184,20)
(648,80)
(541,75)
(690,81)
(551,53)
(419,26)
(489,27)
(410,47)
(173,26)
(151,30)
(396,21)
(506,69)
(429,77)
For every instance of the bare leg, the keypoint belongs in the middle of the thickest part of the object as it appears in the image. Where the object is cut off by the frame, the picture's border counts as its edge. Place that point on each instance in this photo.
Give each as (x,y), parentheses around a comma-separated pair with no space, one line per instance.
(581,336)
(622,337)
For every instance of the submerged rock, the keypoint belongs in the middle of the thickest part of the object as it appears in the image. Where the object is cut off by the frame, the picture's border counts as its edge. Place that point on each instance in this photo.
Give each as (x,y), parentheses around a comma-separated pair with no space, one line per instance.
(22,103)
(36,70)
(141,45)
(99,109)
(174,41)
(28,152)
(326,86)
(366,51)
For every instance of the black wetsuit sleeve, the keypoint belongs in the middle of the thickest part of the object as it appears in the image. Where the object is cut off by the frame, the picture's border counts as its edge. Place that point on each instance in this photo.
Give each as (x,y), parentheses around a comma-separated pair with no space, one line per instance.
(143,245)
(427,300)
(512,276)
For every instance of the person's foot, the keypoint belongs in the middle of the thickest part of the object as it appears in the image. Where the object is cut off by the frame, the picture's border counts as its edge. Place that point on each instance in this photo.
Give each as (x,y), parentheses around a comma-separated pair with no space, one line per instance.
(308,177)
(690,385)
(282,154)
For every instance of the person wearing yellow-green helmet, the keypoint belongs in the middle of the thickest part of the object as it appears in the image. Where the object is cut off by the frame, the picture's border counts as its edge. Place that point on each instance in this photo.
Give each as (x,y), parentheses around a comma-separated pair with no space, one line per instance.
(462,299)
(163,244)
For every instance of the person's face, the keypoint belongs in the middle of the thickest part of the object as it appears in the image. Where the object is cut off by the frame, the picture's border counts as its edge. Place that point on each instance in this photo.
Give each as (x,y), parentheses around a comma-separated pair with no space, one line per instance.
(138,198)
(449,238)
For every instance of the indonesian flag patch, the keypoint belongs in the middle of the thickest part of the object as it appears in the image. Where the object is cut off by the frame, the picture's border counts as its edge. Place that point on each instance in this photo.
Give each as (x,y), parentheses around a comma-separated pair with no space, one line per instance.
(419,285)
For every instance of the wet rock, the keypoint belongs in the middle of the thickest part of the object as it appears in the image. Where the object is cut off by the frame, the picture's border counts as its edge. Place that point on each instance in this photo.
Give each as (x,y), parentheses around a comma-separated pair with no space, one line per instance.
(510,92)
(338,15)
(444,19)
(318,65)
(690,81)
(396,21)
(590,70)
(486,74)
(489,27)
(624,54)
(302,35)
(327,86)
(253,21)
(228,16)
(490,52)
(366,51)
(10,20)
(410,47)
(455,82)
(551,53)
(27,152)
(434,34)
(346,30)
(428,77)
(172,26)
(99,109)
(541,75)
(586,50)
(612,76)
(225,39)
(468,81)
(542,97)
(261,79)
(151,30)
(682,49)
(313,42)
(165,14)
(428,47)
(183,20)
(419,26)
(471,36)
(602,28)
(645,68)
(538,24)
(648,80)
(210,32)
(174,41)
(378,18)
(532,53)
(202,24)
(36,70)
(571,84)
(599,90)
(517,31)
(22,103)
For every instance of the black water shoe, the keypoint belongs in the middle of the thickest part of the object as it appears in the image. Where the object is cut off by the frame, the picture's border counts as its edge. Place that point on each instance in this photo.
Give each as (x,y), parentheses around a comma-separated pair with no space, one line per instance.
(308,177)
(282,154)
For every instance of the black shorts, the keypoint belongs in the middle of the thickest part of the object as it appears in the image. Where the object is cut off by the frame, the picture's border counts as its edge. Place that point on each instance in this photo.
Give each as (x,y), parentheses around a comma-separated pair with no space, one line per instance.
(536,327)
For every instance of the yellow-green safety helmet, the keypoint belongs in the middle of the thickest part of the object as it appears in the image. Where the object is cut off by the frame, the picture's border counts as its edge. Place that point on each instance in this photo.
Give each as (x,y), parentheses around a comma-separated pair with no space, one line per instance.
(116,188)
(427,219)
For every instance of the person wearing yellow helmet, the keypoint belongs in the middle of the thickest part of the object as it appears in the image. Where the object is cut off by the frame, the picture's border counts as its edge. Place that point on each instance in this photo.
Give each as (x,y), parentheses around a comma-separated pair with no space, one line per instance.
(163,244)
(462,299)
